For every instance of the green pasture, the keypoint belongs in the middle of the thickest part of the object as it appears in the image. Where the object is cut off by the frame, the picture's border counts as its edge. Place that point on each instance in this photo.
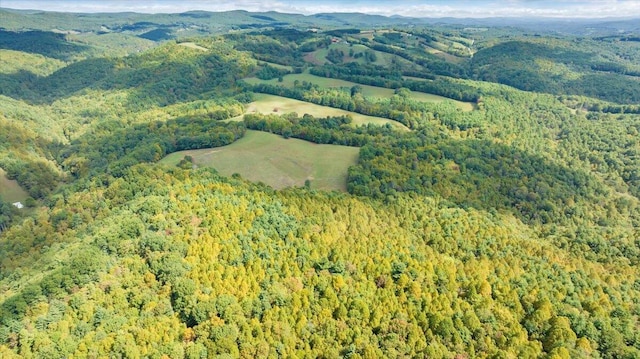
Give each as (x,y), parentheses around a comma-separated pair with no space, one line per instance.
(278,162)
(271,104)
(318,57)
(278,66)
(369,91)
(193,45)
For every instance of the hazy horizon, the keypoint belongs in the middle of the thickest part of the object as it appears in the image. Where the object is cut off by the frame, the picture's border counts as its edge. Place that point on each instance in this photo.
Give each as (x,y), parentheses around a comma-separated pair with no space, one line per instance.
(411,8)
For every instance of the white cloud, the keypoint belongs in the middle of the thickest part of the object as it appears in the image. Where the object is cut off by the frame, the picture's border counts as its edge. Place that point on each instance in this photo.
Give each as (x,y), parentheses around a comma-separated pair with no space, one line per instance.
(484,8)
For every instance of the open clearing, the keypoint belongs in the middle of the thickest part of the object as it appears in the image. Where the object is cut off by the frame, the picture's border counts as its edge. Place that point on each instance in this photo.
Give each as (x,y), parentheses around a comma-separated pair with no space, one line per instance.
(271,104)
(369,91)
(10,190)
(193,46)
(273,64)
(444,54)
(278,162)
(318,57)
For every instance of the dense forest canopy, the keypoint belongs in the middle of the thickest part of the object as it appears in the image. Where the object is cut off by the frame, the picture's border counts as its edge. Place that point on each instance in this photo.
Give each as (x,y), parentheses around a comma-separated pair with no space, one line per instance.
(499,218)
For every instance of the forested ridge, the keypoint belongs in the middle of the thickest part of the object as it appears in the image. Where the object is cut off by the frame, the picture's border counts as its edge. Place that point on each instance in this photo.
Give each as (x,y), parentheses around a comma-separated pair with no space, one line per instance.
(506,229)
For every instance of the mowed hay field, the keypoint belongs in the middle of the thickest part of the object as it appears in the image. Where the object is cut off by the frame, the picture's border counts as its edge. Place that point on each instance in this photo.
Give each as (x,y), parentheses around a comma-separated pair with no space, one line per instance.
(271,104)
(278,162)
(370,91)
(10,190)
(193,46)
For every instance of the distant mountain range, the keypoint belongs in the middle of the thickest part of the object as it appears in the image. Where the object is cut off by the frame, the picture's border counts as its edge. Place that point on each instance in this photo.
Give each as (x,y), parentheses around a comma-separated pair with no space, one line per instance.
(221,22)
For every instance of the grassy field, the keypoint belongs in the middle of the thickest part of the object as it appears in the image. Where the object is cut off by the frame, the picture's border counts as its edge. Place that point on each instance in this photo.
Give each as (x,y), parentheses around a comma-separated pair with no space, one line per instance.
(370,91)
(193,45)
(448,51)
(278,162)
(273,64)
(445,55)
(279,105)
(10,190)
(318,57)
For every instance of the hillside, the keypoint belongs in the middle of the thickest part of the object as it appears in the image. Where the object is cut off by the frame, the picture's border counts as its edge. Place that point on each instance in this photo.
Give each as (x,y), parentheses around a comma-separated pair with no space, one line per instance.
(397,189)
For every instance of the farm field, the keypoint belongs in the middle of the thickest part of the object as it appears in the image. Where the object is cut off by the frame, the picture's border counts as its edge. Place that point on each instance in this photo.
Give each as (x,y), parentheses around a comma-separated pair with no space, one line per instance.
(370,91)
(273,64)
(269,104)
(445,55)
(318,57)
(193,45)
(10,191)
(278,162)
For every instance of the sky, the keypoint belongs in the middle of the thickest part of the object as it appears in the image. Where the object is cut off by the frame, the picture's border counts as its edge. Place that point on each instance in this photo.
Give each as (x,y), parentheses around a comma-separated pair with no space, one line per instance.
(412,8)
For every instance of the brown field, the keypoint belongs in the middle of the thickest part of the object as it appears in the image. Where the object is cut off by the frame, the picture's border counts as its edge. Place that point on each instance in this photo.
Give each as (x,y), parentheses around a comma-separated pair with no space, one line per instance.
(10,190)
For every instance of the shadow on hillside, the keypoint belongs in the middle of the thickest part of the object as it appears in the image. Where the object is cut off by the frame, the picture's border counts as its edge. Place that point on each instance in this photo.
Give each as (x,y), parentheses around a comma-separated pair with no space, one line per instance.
(529,50)
(63,83)
(479,174)
(45,43)
(535,67)
(18,85)
(151,81)
(170,82)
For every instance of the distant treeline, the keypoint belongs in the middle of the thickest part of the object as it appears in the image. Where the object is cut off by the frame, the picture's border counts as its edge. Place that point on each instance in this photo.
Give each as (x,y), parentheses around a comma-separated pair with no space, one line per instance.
(377,76)
(45,43)
(342,32)
(336,130)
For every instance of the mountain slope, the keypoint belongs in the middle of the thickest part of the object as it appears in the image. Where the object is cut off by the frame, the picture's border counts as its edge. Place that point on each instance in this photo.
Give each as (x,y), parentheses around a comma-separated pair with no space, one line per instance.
(237,269)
